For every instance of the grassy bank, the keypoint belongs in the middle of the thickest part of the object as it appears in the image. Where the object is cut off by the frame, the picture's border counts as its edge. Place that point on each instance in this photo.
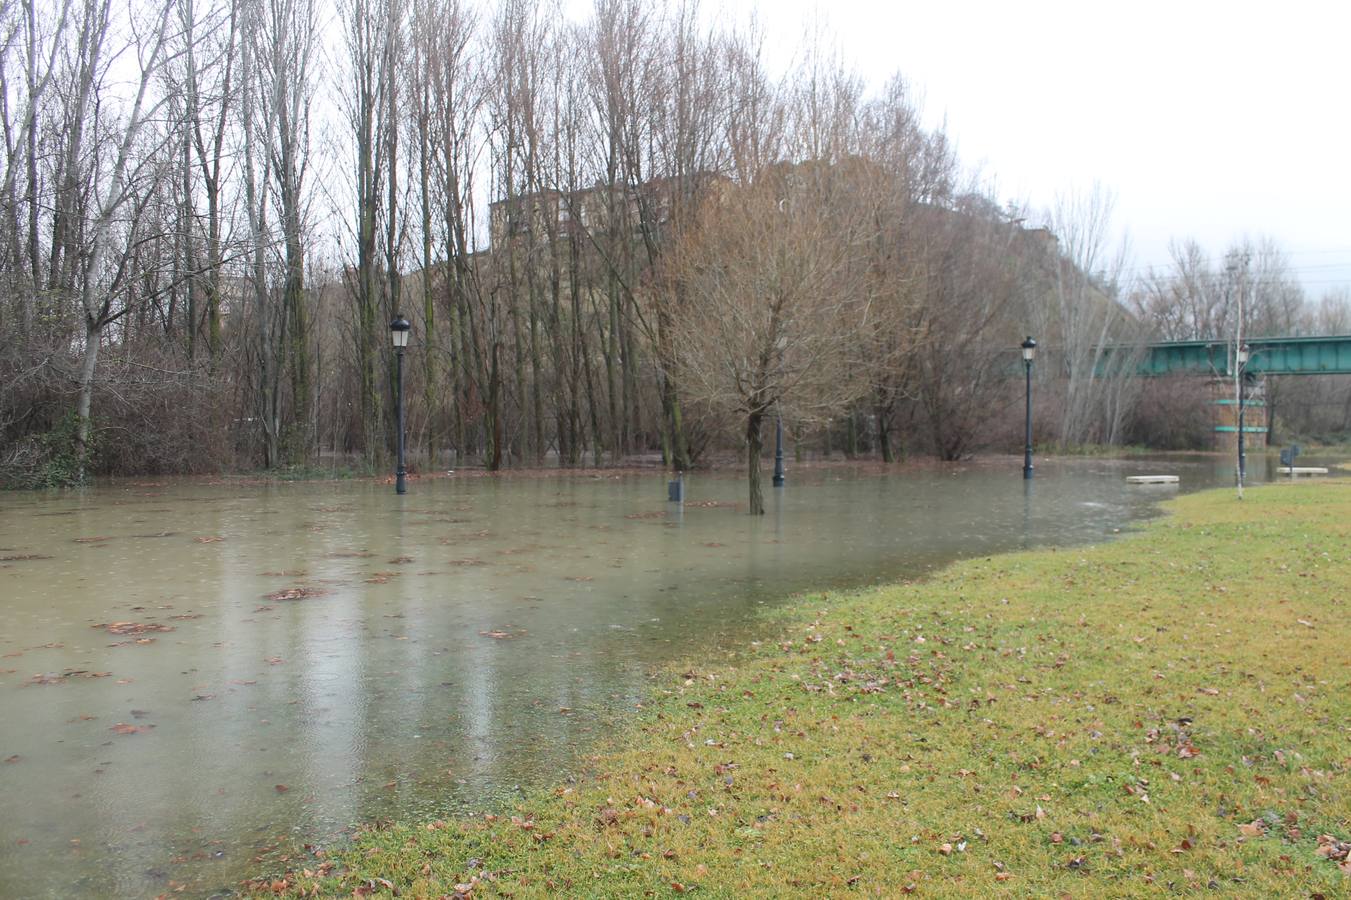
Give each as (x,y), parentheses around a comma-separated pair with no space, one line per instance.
(1167,713)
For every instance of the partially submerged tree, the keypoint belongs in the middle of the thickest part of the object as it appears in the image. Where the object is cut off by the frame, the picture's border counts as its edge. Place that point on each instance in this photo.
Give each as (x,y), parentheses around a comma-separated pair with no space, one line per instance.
(108,175)
(969,275)
(277,58)
(772,302)
(911,173)
(159,205)
(373,31)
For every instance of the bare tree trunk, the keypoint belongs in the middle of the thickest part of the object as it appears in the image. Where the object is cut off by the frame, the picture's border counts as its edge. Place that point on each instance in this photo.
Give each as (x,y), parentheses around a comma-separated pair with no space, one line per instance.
(369,56)
(111,200)
(612,372)
(431,348)
(753,448)
(883,414)
(93,337)
(390,54)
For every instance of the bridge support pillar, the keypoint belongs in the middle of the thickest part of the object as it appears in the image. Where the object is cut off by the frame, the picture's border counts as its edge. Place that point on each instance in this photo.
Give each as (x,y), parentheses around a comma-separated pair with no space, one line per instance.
(1225,416)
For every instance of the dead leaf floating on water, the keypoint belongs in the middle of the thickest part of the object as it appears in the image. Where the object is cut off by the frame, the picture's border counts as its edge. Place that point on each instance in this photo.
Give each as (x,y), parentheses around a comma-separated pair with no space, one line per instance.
(296,593)
(84,673)
(208,539)
(502,634)
(125,628)
(124,728)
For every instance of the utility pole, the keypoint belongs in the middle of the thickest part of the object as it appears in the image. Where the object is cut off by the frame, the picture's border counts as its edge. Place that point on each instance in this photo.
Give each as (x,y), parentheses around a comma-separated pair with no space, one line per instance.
(1239,358)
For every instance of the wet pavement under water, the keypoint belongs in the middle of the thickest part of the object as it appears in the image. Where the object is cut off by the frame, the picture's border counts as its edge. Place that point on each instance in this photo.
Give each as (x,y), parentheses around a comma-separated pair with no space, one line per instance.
(191,674)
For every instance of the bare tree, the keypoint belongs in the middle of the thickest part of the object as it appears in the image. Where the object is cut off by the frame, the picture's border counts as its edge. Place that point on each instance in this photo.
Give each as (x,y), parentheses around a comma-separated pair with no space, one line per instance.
(970,275)
(279,84)
(773,305)
(204,85)
(1184,302)
(94,251)
(620,51)
(912,171)
(1085,319)
(456,101)
(373,30)
(686,114)
(37,36)
(1197,298)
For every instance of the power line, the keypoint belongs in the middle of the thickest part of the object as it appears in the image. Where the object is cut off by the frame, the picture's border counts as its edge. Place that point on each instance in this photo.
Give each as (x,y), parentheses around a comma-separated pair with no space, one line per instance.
(1283,253)
(1301,268)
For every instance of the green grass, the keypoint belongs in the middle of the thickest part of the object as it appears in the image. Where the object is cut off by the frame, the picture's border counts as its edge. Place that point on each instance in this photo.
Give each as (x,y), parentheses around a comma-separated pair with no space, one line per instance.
(1168,713)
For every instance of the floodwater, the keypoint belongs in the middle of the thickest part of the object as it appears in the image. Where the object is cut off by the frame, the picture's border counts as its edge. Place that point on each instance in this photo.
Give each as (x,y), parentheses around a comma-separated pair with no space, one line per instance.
(193,674)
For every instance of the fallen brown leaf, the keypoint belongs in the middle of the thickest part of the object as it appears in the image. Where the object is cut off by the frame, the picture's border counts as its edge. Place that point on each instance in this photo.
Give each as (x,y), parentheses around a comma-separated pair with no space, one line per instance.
(125,628)
(296,593)
(124,728)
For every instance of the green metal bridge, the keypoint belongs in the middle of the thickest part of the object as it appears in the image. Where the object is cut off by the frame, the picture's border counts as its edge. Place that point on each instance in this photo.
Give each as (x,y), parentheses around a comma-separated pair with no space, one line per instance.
(1328,355)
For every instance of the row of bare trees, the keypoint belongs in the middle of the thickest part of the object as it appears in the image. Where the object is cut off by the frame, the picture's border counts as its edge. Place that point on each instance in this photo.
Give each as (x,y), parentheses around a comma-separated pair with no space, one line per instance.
(613,236)
(1197,297)
(157,212)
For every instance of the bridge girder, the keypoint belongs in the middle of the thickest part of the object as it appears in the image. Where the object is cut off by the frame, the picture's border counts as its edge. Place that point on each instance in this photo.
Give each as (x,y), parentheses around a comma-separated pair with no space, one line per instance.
(1327,355)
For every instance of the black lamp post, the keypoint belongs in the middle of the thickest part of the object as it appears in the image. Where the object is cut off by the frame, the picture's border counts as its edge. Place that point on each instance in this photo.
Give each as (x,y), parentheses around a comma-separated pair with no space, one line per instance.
(1241,362)
(398,331)
(1029,352)
(778,451)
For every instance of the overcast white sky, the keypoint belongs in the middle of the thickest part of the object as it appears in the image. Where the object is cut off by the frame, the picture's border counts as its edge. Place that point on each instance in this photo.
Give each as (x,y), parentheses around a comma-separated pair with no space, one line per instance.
(1207,120)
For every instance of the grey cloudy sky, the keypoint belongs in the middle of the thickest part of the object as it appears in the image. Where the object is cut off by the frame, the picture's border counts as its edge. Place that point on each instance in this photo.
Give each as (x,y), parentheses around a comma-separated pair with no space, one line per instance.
(1207,120)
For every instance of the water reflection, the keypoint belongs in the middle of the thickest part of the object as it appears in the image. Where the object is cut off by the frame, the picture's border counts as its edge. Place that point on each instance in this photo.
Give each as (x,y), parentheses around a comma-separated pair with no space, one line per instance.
(448,645)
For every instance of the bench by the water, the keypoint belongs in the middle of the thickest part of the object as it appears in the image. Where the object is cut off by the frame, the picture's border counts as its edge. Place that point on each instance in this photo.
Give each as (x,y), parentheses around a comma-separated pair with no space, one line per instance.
(1302,470)
(1152,479)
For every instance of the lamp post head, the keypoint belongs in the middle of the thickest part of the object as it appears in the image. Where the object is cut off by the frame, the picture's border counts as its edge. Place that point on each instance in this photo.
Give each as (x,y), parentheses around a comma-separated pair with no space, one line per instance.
(1029,349)
(398,331)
